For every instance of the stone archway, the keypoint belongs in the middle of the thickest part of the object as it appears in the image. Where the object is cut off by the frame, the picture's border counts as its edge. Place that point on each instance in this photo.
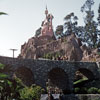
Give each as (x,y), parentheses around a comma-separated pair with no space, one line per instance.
(58,79)
(84,72)
(26,75)
(83,77)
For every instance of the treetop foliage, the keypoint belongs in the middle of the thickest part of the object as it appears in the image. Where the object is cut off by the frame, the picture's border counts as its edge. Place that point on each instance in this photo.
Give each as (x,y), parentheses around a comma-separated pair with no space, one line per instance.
(87,6)
(89,33)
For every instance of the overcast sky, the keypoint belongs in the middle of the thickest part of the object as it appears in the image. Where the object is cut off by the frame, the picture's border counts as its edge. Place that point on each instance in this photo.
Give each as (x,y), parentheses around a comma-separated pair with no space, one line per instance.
(25,17)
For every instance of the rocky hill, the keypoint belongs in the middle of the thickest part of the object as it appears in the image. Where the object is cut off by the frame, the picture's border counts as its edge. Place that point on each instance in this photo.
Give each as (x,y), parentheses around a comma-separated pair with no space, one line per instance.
(67,48)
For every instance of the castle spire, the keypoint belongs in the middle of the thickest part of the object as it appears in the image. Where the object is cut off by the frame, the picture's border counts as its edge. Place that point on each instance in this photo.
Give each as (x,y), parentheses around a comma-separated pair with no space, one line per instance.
(47,29)
(46,11)
(46,7)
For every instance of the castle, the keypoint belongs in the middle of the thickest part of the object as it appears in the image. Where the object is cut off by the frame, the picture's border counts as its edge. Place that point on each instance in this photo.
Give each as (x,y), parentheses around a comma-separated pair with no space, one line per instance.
(56,74)
(46,27)
(69,47)
(45,43)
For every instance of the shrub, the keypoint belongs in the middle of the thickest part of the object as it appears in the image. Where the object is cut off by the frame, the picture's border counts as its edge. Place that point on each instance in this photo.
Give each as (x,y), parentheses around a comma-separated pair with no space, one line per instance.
(31,93)
(76,90)
(99,91)
(92,90)
(83,90)
(47,56)
(2,66)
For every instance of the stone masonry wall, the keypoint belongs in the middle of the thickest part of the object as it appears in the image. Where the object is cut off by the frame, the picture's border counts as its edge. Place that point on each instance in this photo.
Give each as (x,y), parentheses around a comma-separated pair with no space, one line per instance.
(41,68)
(82,97)
(74,96)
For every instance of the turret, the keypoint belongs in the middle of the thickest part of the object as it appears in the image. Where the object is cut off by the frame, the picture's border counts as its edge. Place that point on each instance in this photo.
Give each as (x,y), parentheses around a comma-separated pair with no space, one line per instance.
(46,28)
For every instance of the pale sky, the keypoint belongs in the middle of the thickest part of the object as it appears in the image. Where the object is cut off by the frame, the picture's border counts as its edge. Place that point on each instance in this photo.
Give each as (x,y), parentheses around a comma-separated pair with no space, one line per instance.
(25,17)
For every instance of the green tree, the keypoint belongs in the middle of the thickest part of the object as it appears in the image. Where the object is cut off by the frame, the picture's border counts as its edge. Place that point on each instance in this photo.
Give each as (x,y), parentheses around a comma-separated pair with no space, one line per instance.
(70,24)
(98,26)
(90,29)
(98,15)
(59,31)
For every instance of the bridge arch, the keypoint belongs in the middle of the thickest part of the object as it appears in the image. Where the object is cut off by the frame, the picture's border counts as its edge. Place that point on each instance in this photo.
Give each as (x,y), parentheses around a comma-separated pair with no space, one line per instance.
(58,78)
(84,72)
(25,74)
(82,77)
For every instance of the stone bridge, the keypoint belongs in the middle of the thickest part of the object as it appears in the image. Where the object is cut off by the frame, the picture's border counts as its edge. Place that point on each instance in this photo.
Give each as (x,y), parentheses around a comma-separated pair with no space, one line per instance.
(60,73)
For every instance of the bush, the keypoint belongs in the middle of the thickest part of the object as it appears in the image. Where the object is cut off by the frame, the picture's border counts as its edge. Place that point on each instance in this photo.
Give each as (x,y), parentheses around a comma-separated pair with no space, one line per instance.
(99,91)
(31,93)
(76,90)
(2,66)
(48,56)
(83,90)
(92,90)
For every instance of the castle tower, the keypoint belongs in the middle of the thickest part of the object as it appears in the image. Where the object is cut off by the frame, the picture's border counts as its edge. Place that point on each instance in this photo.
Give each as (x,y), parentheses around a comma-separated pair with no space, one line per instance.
(46,27)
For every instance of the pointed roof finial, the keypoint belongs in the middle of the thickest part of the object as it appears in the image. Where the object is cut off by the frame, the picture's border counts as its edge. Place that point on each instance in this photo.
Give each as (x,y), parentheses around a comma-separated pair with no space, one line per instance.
(46,6)
(46,11)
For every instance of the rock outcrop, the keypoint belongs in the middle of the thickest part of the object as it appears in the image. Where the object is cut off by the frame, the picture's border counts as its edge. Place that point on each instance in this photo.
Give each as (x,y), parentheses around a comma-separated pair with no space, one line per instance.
(38,47)
(91,55)
(68,48)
